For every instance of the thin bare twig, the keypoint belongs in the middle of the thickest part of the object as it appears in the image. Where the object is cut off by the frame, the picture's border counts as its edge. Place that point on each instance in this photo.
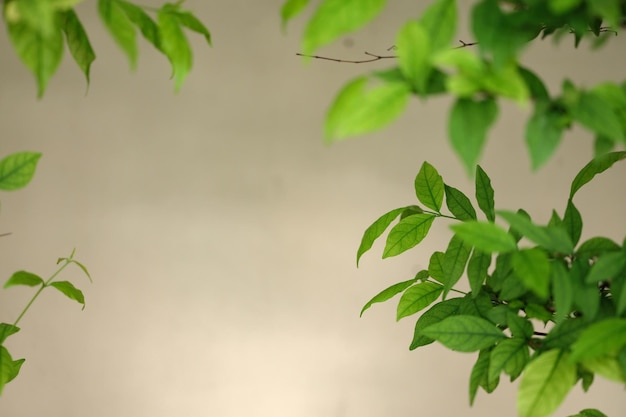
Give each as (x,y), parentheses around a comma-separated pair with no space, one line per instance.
(374,58)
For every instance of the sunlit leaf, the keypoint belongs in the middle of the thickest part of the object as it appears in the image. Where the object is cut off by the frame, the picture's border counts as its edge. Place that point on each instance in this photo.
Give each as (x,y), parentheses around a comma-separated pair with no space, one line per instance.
(147,26)
(407,233)
(375,230)
(290,9)
(388,293)
(23,278)
(465,333)
(9,368)
(174,44)
(413,46)
(70,291)
(429,187)
(120,27)
(484,236)
(417,298)
(17,170)
(435,266)
(612,333)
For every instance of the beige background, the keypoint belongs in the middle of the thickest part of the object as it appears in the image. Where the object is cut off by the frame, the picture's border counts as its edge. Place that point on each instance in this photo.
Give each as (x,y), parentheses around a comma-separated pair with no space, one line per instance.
(221,232)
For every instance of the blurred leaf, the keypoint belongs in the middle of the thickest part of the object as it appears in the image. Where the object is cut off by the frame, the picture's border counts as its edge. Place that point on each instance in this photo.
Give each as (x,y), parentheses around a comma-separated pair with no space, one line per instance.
(290,9)
(465,333)
(606,267)
(589,412)
(480,375)
(510,356)
(334,18)
(550,238)
(78,42)
(413,45)
(459,204)
(533,269)
(23,278)
(469,122)
(429,187)
(120,27)
(486,237)
(191,22)
(477,270)
(356,111)
(544,131)
(417,298)
(593,168)
(407,233)
(375,230)
(388,293)
(562,292)
(434,315)
(147,26)
(612,333)
(439,19)
(536,87)
(174,44)
(595,113)
(596,246)
(7,330)
(607,10)
(71,292)
(546,381)
(485,194)
(17,170)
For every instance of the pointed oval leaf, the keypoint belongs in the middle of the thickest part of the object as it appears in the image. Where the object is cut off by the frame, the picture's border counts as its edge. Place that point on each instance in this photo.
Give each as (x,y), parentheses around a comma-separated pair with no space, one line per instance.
(551,238)
(459,204)
(70,291)
(388,293)
(435,266)
(120,27)
(407,233)
(606,267)
(510,356)
(479,375)
(17,170)
(612,333)
(174,44)
(78,42)
(413,45)
(375,230)
(417,298)
(429,187)
(9,368)
(532,267)
(465,333)
(191,22)
(433,315)
(544,131)
(573,222)
(485,236)
(485,194)
(562,292)
(477,270)
(334,18)
(147,26)
(23,278)
(454,261)
(7,330)
(594,168)
(440,19)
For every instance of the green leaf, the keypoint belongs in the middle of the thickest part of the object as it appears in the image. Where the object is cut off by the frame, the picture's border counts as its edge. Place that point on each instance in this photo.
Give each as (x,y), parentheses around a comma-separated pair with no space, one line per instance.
(465,333)
(7,330)
(469,122)
(434,315)
(454,261)
(546,381)
(78,42)
(23,278)
(174,44)
(564,334)
(533,269)
(71,292)
(590,412)
(550,238)
(544,131)
(413,46)
(606,367)
(435,266)
(485,194)
(407,233)
(606,267)
(477,270)
(17,170)
(375,230)
(459,204)
(290,9)
(120,27)
(486,237)
(147,26)
(537,88)
(188,20)
(607,10)
(510,356)
(429,187)
(595,247)
(595,113)
(388,293)
(357,110)
(9,368)
(562,291)
(562,6)
(417,298)
(334,18)
(439,19)
(573,222)
(612,333)
(602,145)
(480,375)
(594,168)
(520,327)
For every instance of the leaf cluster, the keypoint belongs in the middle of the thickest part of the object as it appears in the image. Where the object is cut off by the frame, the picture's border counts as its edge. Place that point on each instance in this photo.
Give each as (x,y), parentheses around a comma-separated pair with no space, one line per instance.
(39,31)
(539,300)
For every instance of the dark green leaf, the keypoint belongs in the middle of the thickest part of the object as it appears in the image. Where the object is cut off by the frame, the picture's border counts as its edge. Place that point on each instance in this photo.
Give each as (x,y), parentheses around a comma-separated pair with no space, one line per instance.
(375,230)
(510,356)
(485,194)
(590,412)
(480,375)
(465,333)
(417,298)
(606,267)
(407,233)
(486,237)
(593,168)
(469,122)
(434,315)
(612,333)
(477,269)
(429,187)
(388,293)
(478,305)
(563,292)
(533,269)
(120,27)
(595,247)
(564,334)
(543,134)
(7,330)
(435,266)
(147,26)
(23,278)
(546,381)
(459,205)
(602,146)
(454,261)
(357,110)
(550,238)
(334,18)
(573,222)
(78,42)
(71,292)
(290,9)
(174,44)
(537,88)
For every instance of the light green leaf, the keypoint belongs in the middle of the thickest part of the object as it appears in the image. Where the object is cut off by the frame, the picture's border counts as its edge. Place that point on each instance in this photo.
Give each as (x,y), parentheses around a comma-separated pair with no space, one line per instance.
(459,205)
(120,27)
(70,291)
(439,19)
(485,194)
(606,267)
(608,10)
(7,330)
(191,22)
(23,278)
(510,356)
(407,233)
(17,170)
(454,261)
(606,367)
(595,113)
(612,333)
(597,166)
(552,238)
(480,375)
(147,26)
(543,134)
(417,298)
(562,290)
(413,45)
(290,9)
(9,368)
(375,230)
(546,381)
(465,333)
(532,267)
(477,270)
(486,237)
(357,110)
(435,266)
(469,122)
(174,44)
(78,42)
(434,315)
(562,6)
(429,187)
(334,18)
(388,293)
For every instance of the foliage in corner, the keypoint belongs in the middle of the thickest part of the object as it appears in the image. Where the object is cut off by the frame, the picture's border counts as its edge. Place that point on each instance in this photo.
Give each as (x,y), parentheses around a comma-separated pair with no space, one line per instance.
(539,300)
(39,30)
(16,171)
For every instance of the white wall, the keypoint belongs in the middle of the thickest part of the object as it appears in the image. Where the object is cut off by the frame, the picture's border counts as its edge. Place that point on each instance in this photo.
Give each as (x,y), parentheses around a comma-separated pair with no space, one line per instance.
(221,232)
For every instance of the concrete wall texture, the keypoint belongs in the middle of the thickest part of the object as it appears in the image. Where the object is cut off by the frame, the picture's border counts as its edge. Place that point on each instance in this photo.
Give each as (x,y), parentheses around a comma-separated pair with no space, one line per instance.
(221,232)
